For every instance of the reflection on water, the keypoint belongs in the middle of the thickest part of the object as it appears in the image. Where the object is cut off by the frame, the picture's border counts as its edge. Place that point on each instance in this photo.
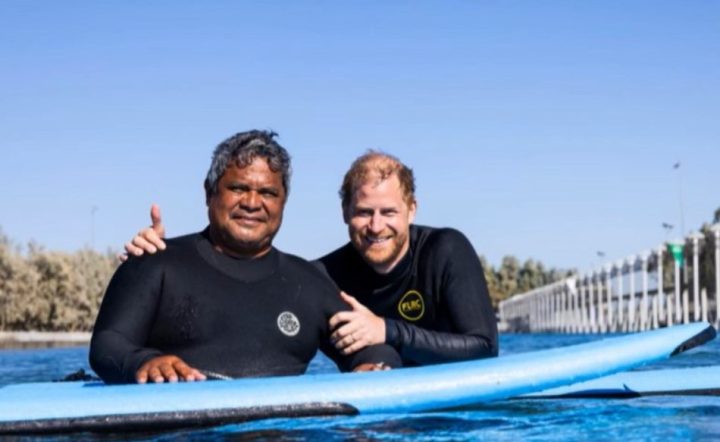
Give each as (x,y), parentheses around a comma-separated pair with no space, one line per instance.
(662,418)
(16,345)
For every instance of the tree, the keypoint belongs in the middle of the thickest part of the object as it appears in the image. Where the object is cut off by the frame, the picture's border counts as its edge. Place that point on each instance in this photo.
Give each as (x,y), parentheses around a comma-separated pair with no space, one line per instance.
(492,282)
(51,291)
(508,276)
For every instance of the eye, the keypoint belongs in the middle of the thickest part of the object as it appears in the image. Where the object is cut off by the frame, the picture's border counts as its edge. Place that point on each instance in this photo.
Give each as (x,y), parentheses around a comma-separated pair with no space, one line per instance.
(238,188)
(363,212)
(270,193)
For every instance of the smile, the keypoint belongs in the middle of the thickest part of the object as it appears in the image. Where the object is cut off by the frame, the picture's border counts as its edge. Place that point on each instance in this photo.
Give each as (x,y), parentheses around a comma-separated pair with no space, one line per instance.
(376,241)
(243,219)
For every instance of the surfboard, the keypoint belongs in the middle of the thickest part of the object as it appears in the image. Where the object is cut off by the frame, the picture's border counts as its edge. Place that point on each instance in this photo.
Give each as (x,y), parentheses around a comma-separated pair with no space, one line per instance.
(93,406)
(671,381)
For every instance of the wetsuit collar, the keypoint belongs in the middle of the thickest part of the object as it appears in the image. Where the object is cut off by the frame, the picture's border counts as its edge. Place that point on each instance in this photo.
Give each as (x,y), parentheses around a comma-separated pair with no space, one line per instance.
(376,279)
(242,269)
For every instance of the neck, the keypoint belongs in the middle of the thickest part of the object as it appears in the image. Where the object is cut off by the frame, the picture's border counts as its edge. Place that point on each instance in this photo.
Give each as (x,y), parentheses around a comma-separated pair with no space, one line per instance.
(384,269)
(242,251)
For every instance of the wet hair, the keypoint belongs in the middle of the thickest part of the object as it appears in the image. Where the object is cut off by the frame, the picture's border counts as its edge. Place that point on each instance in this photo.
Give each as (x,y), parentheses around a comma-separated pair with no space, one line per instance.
(380,166)
(242,148)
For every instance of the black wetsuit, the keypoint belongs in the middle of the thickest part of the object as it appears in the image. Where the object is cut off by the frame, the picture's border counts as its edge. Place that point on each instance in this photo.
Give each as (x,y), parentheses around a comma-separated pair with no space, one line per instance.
(234,317)
(435,301)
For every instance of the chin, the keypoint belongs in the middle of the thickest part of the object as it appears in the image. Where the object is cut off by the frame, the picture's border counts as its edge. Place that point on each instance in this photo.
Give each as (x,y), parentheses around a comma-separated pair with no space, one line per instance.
(378,260)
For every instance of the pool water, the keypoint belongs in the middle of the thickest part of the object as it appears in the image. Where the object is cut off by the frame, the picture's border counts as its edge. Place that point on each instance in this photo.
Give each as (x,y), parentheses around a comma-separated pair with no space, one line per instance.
(661,418)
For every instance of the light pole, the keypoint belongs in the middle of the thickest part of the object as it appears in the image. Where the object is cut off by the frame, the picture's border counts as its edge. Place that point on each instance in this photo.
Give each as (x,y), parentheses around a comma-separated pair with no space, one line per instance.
(698,306)
(600,254)
(676,166)
(668,228)
(676,249)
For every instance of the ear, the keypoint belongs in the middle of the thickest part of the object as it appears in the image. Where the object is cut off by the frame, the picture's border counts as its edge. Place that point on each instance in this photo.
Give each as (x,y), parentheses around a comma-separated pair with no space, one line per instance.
(412,209)
(208,193)
(346,214)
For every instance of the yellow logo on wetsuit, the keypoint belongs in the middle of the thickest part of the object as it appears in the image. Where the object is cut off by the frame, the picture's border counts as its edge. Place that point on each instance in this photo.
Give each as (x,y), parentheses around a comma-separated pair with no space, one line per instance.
(411,306)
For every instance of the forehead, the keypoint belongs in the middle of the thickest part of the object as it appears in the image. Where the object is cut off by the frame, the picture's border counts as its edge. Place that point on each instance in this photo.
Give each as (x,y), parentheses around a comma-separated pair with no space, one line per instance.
(257,171)
(374,191)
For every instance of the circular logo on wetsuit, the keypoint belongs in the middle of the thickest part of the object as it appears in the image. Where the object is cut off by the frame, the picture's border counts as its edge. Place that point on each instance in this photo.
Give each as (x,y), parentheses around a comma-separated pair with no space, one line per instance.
(411,306)
(288,323)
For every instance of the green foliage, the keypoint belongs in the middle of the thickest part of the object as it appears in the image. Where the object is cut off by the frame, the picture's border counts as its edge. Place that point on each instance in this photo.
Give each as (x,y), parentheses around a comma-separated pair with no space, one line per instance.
(511,278)
(51,291)
(706,257)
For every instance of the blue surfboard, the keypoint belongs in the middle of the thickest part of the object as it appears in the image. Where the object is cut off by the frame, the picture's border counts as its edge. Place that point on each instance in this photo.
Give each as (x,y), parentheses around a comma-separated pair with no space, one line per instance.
(670,381)
(93,406)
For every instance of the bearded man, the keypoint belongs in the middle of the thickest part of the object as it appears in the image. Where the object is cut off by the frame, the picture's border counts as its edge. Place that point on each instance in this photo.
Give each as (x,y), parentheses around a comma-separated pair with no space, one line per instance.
(419,289)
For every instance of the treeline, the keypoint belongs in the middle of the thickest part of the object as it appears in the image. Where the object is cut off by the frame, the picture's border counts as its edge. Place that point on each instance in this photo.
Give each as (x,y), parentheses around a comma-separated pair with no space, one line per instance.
(512,278)
(57,291)
(51,291)
(706,259)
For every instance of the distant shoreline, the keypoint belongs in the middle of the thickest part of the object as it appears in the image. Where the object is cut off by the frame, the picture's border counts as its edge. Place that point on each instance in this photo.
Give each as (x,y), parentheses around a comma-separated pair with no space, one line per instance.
(37,339)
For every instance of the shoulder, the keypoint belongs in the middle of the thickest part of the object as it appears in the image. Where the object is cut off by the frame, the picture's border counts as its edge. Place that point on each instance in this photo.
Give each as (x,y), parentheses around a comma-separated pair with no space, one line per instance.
(337,263)
(178,248)
(445,249)
(190,238)
(311,272)
(440,240)
(337,256)
(181,243)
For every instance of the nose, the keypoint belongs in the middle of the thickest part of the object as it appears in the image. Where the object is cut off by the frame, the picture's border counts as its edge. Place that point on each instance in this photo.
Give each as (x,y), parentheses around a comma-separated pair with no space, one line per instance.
(250,201)
(377,223)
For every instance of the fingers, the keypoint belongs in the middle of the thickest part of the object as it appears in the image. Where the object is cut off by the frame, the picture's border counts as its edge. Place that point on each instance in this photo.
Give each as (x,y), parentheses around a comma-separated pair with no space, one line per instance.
(188,373)
(355,346)
(195,375)
(156,220)
(153,237)
(141,376)
(349,339)
(339,318)
(347,298)
(152,372)
(133,250)
(146,241)
(122,257)
(368,366)
(348,327)
(354,303)
(167,369)
(140,242)
(167,373)
(155,215)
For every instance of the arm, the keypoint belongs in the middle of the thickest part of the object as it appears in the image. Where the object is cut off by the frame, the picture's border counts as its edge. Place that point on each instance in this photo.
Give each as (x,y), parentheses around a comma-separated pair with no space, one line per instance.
(369,358)
(118,351)
(376,356)
(463,299)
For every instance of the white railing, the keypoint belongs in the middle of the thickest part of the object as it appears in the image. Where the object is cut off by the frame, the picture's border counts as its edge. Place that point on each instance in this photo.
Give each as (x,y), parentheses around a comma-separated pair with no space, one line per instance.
(625,295)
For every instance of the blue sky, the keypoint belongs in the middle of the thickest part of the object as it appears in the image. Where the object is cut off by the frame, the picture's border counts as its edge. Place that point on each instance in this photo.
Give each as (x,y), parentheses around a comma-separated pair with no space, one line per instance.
(541,129)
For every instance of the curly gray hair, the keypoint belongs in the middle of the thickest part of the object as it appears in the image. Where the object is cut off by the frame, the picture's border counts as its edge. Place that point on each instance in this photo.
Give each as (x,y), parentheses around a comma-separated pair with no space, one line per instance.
(243,148)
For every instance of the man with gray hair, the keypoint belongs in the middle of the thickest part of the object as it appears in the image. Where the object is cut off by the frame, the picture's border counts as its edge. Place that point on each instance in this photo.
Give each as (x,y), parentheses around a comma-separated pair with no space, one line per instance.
(419,289)
(223,302)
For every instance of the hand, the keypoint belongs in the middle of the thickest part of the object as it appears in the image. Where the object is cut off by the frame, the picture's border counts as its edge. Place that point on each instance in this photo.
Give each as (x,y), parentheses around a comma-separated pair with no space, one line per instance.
(357,328)
(167,368)
(369,366)
(148,239)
